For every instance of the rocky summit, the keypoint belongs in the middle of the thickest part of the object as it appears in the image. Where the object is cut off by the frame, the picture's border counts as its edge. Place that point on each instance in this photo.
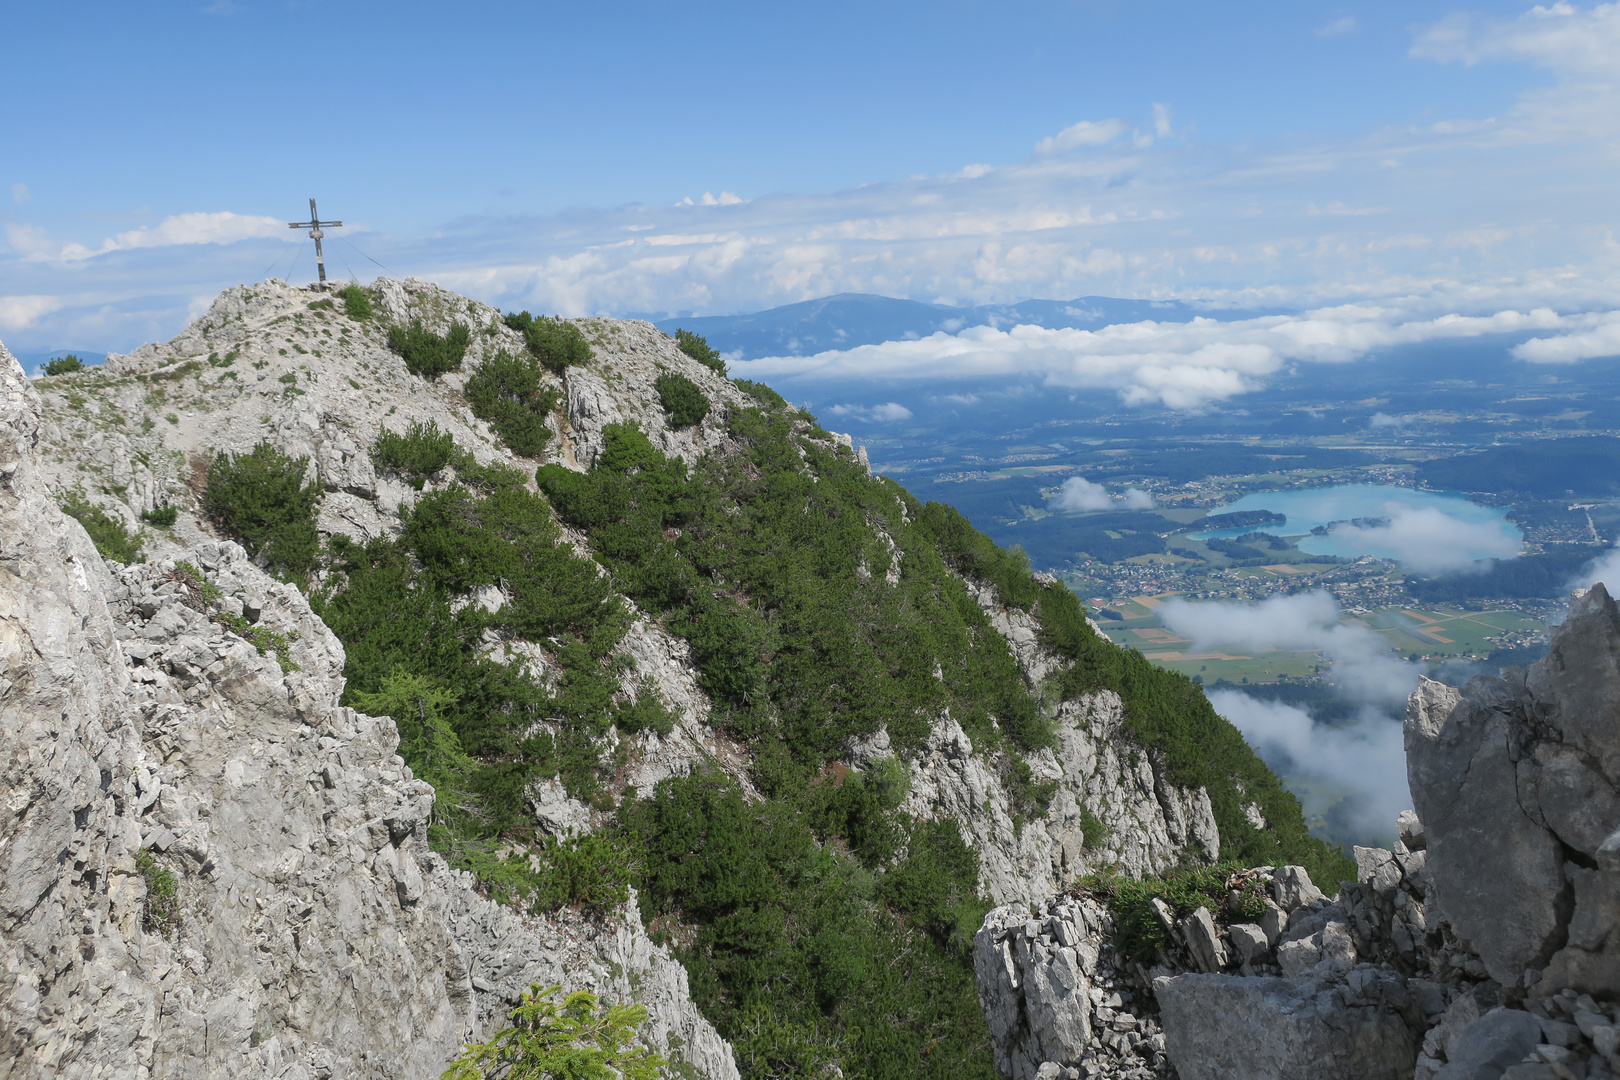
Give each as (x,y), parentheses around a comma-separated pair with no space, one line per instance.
(371,657)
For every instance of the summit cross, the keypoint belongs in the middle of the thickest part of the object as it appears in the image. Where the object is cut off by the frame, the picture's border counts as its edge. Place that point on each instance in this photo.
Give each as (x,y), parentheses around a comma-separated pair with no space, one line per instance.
(315,225)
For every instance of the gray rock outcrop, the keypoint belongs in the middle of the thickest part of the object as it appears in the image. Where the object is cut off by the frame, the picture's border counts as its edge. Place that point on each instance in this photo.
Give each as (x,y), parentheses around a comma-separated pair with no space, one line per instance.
(1517,783)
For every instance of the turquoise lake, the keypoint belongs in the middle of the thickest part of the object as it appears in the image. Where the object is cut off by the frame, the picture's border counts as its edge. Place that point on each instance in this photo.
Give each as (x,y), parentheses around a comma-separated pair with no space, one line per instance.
(1308,508)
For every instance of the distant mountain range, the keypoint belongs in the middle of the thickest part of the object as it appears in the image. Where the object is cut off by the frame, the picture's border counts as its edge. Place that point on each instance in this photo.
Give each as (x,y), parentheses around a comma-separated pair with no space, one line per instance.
(849,319)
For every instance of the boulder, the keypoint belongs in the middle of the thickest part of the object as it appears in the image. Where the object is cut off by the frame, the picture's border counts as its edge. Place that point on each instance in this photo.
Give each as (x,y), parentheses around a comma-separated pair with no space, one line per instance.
(1292,888)
(1218,1027)
(1488,1046)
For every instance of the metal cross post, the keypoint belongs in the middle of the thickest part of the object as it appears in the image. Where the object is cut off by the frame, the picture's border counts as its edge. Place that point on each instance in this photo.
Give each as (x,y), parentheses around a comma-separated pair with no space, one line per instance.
(315,225)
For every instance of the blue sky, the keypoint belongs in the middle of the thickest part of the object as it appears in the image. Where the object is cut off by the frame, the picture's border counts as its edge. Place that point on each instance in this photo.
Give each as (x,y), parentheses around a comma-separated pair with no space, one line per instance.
(1426,159)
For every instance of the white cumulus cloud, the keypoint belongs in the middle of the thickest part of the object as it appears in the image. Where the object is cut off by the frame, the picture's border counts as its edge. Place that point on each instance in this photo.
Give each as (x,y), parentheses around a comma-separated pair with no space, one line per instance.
(1601,338)
(222,227)
(1365,758)
(1305,622)
(19,312)
(1077,494)
(1085,133)
(1346,25)
(1604,568)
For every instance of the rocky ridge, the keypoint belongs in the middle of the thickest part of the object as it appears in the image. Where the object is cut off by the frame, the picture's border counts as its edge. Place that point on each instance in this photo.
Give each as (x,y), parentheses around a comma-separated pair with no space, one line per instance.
(1484,945)
(317,384)
(318,936)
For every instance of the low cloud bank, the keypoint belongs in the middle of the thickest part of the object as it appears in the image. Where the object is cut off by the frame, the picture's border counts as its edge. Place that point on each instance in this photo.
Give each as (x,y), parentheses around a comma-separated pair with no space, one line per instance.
(1429,540)
(1181,366)
(1078,493)
(1362,664)
(1354,772)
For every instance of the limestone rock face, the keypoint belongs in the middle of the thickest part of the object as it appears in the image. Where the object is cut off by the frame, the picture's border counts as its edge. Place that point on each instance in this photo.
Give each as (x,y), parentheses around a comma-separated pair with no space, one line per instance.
(313,934)
(1517,783)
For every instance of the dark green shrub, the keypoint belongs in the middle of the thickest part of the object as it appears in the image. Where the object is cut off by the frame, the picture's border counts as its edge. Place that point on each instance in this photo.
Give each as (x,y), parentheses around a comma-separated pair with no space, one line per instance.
(698,349)
(556,343)
(683,402)
(806,958)
(761,393)
(506,391)
(356,302)
(419,453)
(426,353)
(592,871)
(162,516)
(112,540)
(646,713)
(261,499)
(64,365)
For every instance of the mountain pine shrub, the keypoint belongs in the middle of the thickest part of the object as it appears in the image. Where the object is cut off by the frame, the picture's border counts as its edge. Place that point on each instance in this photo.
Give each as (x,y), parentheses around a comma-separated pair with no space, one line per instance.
(64,365)
(683,402)
(767,398)
(555,342)
(162,516)
(506,391)
(260,498)
(427,354)
(698,349)
(419,453)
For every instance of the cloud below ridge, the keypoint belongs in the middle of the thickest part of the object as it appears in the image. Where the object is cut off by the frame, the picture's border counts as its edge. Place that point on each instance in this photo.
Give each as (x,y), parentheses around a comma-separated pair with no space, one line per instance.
(1429,540)
(1362,760)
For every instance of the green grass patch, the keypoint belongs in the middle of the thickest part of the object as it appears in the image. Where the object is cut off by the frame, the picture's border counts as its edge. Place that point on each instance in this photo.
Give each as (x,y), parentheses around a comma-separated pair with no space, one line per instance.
(161,910)
(1138,933)
(357,303)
